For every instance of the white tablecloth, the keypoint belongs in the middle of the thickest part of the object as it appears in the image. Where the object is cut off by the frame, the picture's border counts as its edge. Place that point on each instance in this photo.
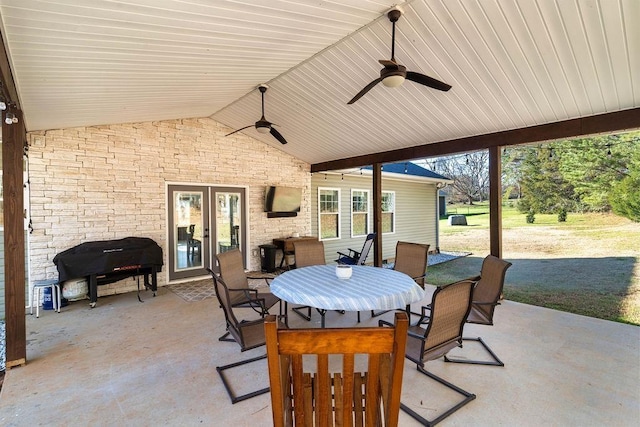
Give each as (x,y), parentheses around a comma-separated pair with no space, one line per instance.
(369,288)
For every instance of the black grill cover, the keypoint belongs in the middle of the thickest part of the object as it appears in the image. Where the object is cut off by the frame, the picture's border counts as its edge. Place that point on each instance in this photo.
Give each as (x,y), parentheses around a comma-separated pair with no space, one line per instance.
(107,256)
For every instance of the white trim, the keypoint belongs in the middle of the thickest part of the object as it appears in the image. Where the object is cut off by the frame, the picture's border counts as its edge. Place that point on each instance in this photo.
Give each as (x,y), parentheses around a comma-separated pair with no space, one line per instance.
(339,190)
(368,193)
(208,187)
(395,203)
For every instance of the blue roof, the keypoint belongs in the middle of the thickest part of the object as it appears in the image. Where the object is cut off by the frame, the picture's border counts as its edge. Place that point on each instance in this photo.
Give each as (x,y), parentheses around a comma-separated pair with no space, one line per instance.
(409,168)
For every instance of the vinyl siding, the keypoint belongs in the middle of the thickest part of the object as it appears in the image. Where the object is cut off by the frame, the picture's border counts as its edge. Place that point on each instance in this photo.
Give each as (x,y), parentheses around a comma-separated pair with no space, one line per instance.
(415,213)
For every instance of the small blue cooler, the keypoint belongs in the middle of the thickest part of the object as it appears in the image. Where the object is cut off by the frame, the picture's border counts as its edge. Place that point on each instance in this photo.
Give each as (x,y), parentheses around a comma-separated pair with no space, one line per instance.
(47,300)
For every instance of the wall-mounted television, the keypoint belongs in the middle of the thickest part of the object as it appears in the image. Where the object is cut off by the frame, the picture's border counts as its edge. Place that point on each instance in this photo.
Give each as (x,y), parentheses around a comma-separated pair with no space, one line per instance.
(282,201)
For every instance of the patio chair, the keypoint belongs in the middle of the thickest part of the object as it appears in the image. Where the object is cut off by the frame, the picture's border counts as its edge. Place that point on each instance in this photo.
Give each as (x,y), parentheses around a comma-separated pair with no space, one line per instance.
(308,252)
(247,333)
(354,257)
(450,307)
(232,272)
(411,259)
(304,391)
(486,296)
(193,245)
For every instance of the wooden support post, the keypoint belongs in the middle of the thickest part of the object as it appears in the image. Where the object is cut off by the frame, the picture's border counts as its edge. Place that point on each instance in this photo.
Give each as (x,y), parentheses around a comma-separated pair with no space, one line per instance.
(13,142)
(495,202)
(377,214)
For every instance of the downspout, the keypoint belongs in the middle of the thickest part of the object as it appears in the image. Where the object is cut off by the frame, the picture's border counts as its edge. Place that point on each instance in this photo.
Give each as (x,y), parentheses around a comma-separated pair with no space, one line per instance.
(439,186)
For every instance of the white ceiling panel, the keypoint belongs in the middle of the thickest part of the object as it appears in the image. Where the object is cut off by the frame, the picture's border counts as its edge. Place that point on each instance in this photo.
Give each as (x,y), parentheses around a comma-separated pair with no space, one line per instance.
(511,64)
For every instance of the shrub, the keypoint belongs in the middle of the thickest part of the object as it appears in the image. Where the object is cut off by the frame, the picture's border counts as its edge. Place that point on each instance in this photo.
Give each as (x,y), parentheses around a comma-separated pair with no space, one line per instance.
(531,216)
(562,215)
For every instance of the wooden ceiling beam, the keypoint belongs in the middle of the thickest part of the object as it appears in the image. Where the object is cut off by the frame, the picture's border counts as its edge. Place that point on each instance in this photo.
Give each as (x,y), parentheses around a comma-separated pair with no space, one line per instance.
(608,122)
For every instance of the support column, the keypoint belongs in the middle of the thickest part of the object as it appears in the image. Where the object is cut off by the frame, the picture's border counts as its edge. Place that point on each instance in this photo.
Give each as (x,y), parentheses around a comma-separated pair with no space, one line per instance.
(377,214)
(13,142)
(495,202)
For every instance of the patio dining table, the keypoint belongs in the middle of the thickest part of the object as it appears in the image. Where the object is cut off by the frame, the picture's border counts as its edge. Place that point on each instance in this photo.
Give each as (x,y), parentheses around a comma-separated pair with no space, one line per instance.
(368,288)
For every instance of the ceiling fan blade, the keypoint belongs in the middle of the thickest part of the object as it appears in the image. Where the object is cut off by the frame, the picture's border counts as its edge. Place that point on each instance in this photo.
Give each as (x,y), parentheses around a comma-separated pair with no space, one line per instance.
(427,81)
(366,89)
(239,130)
(277,135)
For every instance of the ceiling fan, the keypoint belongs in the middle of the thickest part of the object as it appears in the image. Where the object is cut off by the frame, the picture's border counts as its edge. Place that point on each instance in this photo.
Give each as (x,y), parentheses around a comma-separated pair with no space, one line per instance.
(394,74)
(262,125)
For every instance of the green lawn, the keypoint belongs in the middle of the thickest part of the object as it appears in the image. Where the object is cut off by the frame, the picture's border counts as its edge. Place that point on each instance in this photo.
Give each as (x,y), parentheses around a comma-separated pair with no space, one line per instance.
(588,265)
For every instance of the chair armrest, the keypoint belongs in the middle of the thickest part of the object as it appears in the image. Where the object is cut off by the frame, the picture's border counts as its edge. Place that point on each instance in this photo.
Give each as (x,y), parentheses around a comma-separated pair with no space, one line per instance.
(352,254)
(422,276)
(424,310)
(485,303)
(416,336)
(348,256)
(247,292)
(266,279)
(243,323)
(259,305)
(355,253)
(252,299)
(385,323)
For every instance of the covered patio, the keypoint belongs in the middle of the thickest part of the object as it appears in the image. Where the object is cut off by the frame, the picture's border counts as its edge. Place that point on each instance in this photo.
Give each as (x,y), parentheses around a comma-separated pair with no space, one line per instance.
(153,363)
(112,100)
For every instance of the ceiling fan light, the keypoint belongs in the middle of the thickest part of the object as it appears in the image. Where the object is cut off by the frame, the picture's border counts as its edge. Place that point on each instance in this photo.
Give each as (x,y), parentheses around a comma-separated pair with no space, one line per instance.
(9,118)
(393,81)
(263,129)
(3,105)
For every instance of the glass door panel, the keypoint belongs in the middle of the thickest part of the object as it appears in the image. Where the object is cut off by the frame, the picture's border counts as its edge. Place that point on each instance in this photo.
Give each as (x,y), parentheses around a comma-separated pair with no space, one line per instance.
(228,225)
(188,239)
(203,221)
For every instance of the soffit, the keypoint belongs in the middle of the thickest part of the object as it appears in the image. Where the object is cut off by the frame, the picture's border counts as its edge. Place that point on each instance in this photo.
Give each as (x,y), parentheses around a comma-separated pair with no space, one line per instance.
(512,64)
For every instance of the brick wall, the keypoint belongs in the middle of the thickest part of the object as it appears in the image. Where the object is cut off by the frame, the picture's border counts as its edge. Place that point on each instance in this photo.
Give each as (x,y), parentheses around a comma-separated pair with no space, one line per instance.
(109,182)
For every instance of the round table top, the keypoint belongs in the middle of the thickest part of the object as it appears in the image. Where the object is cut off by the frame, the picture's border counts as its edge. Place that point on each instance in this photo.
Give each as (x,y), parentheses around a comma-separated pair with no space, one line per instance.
(368,288)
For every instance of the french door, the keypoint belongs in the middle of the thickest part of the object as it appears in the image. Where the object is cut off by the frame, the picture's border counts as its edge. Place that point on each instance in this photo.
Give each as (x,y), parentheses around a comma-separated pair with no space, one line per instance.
(203,221)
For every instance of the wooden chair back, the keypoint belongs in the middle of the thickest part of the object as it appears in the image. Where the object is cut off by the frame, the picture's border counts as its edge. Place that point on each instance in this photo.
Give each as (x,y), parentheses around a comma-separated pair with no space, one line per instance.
(309,252)
(411,259)
(304,393)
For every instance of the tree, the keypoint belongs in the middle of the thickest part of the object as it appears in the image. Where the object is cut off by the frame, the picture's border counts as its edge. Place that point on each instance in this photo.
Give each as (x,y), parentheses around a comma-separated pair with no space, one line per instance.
(575,175)
(625,194)
(592,166)
(544,189)
(470,173)
(512,173)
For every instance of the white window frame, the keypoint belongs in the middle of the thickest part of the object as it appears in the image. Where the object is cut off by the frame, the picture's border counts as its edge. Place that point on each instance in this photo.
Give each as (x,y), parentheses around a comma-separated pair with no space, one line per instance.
(395,201)
(368,211)
(339,212)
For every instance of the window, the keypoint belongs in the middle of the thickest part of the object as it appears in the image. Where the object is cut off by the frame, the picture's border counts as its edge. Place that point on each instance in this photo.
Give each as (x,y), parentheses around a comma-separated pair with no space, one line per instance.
(359,213)
(388,211)
(329,213)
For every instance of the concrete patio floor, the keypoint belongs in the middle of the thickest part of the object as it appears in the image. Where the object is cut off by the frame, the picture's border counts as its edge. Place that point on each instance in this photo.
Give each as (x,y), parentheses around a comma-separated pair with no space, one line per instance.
(153,363)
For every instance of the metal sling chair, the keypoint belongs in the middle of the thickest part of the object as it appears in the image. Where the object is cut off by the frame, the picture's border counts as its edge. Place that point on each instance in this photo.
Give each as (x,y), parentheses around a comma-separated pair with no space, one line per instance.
(450,307)
(354,257)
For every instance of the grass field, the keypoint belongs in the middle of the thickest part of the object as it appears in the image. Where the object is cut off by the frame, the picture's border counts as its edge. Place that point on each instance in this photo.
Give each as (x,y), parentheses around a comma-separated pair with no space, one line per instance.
(588,265)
